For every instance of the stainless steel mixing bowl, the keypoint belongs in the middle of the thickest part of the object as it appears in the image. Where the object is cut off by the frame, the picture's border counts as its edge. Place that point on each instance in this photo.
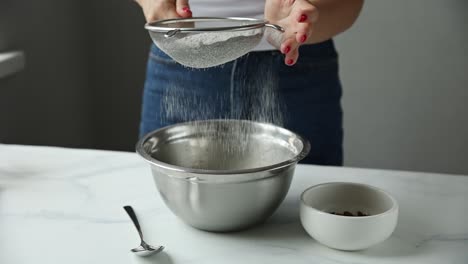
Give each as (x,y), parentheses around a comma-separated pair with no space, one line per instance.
(222,175)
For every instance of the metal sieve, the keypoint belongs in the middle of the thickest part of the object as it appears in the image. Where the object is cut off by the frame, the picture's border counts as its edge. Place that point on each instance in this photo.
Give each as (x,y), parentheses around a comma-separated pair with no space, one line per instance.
(204,42)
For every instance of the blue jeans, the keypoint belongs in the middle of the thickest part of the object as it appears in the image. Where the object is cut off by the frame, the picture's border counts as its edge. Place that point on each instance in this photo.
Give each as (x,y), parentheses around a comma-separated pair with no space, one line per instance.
(308,94)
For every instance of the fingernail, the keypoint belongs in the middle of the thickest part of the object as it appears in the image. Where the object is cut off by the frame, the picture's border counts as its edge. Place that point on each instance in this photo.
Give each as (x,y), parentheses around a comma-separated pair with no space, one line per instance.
(185,9)
(303,38)
(303,18)
(287,49)
(290,62)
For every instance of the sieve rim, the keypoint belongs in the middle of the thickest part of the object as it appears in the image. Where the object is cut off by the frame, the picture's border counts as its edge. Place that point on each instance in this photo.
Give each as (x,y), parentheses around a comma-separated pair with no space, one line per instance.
(155,26)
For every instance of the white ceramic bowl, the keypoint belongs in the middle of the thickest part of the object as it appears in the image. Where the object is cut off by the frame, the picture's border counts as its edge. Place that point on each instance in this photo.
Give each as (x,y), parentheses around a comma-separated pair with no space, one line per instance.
(348,232)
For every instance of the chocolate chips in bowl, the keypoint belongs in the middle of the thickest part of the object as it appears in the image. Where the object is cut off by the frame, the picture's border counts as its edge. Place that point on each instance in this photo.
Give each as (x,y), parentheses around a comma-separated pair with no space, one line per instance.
(348,213)
(348,216)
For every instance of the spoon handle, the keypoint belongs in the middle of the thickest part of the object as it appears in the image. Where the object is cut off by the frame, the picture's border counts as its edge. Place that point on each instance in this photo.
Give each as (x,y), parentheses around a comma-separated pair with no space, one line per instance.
(134,218)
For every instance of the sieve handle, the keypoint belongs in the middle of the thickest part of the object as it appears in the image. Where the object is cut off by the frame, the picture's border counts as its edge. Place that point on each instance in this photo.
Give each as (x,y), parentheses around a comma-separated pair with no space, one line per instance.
(171,33)
(279,28)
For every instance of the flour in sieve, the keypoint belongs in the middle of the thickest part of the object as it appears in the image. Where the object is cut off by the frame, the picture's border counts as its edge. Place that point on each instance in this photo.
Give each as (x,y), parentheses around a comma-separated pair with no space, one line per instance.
(208,49)
(209,38)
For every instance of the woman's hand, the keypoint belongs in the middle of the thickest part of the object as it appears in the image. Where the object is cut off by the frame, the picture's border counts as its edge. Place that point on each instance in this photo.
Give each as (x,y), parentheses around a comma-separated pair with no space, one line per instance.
(297,17)
(164,9)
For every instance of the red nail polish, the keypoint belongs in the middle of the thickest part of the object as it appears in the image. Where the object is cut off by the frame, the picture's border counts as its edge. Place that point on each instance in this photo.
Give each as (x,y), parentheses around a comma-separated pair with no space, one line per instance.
(287,49)
(303,18)
(185,9)
(290,62)
(303,38)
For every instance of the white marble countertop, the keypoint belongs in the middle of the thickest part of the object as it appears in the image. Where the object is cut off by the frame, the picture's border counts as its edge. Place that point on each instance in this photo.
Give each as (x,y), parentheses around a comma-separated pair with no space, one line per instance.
(65,206)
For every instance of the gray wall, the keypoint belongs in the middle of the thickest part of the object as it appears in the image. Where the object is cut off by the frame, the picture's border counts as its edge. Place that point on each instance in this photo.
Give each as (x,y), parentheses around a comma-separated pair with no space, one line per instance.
(117,51)
(44,104)
(85,66)
(404,67)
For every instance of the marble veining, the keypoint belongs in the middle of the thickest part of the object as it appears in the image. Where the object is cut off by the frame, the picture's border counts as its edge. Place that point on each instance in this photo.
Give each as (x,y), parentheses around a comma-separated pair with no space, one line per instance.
(68,204)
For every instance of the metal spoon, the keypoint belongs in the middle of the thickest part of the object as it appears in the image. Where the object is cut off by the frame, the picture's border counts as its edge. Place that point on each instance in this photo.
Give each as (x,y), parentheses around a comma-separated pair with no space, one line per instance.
(144,249)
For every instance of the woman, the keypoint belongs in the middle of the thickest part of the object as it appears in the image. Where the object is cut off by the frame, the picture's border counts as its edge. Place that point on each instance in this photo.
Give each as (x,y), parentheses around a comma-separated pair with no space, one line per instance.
(307,87)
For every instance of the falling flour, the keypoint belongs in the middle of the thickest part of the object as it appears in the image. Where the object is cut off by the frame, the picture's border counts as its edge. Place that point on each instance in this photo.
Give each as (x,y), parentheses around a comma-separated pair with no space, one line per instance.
(252,95)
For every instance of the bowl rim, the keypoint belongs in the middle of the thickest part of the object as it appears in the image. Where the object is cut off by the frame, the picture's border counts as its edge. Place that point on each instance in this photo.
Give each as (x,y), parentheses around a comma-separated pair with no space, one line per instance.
(395,206)
(302,154)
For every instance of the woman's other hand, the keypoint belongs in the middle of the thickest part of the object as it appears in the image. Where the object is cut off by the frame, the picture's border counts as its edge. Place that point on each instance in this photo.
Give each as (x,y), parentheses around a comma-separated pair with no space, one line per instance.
(300,19)
(297,17)
(164,9)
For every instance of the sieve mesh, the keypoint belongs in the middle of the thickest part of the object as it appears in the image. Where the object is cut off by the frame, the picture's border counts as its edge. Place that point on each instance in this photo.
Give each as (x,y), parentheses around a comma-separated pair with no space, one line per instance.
(206,42)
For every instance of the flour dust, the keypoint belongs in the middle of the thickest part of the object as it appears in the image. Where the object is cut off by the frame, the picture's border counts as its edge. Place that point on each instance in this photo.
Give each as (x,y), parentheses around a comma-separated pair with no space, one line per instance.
(251,94)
